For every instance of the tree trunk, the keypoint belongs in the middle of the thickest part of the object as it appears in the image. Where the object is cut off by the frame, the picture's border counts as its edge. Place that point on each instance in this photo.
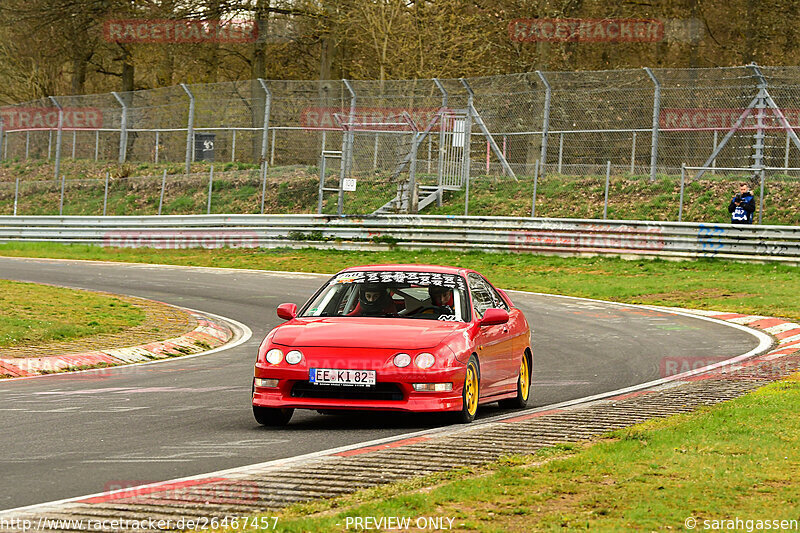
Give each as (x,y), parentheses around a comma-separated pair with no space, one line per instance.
(213,14)
(79,74)
(258,69)
(166,68)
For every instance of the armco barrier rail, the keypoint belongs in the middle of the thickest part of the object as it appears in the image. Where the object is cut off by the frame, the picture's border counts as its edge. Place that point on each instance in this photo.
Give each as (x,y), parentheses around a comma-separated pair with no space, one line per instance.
(530,235)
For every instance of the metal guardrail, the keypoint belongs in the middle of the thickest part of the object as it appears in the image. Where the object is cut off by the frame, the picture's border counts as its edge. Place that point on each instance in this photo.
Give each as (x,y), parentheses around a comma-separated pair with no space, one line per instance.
(527,235)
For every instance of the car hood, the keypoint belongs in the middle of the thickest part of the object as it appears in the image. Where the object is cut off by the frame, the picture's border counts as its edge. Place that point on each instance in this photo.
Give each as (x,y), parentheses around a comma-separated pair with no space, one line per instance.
(355,332)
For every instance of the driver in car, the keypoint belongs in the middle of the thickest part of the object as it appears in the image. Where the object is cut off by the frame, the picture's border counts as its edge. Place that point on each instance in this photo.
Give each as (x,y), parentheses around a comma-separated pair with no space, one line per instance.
(374,300)
(442,299)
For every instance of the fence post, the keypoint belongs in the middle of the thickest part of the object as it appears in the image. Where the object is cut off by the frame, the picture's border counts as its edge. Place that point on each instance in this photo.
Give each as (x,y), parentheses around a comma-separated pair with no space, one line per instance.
(49,144)
(163,186)
(61,201)
(105,196)
(656,113)
(560,150)
(714,161)
(155,158)
(16,196)
(189,128)
(210,185)
(233,145)
(465,166)
(442,129)
(535,185)
(96,145)
(264,140)
(505,156)
(761,197)
(633,153)
(545,122)
(264,191)
(347,148)
(272,148)
(265,131)
(2,144)
(27,144)
(123,129)
(321,192)
(608,181)
(57,169)
(74,142)
(413,198)
(322,170)
(786,153)
(683,182)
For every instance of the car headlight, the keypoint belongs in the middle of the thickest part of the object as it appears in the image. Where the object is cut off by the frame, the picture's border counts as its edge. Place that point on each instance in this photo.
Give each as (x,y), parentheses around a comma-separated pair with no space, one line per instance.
(274,356)
(402,360)
(294,357)
(424,360)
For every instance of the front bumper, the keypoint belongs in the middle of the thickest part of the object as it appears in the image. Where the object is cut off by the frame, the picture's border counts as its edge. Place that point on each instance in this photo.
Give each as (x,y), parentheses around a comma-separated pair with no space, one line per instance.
(409,400)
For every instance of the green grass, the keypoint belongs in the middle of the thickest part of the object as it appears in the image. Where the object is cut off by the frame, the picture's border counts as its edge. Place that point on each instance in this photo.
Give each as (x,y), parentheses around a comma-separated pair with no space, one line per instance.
(34,314)
(294,189)
(738,459)
(630,198)
(764,289)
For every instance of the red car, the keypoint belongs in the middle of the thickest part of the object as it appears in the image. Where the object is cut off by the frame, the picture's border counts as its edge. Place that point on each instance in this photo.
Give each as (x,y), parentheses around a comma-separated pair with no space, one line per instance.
(397,338)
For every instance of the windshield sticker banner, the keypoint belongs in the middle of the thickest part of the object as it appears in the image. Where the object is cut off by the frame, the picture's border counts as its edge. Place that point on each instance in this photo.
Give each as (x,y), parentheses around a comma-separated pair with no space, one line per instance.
(424,279)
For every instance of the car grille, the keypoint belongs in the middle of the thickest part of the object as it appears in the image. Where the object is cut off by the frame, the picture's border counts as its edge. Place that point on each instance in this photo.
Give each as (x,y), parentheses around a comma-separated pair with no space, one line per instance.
(381,391)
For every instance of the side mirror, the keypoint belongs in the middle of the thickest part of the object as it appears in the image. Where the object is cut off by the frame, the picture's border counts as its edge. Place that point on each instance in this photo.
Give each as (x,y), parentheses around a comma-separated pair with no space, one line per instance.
(287,311)
(493,317)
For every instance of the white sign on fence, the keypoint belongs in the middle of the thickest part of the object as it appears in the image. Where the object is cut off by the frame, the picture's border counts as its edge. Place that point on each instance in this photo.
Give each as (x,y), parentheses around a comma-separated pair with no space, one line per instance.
(349,184)
(459,130)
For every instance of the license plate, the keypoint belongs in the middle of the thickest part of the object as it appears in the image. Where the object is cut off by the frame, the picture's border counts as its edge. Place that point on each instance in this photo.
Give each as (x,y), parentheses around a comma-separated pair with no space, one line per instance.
(331,376)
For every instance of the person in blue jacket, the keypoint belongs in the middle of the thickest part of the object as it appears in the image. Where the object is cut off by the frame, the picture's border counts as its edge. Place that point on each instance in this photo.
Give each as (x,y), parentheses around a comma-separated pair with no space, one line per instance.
(742,206)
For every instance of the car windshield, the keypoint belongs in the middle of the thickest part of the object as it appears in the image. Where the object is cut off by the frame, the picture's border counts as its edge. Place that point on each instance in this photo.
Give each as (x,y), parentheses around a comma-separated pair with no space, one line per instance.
(418,295)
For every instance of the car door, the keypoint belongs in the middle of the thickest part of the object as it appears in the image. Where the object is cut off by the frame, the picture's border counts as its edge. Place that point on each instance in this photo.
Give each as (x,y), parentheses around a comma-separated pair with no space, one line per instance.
(513,343)
(493,344)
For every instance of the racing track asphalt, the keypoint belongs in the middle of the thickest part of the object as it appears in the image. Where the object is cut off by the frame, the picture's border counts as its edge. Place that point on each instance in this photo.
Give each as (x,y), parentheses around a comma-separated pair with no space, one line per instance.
(69,435)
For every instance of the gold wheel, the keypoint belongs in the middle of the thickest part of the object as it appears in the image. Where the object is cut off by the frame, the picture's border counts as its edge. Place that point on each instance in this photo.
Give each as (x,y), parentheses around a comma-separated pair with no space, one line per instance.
(524,379)
(471,394)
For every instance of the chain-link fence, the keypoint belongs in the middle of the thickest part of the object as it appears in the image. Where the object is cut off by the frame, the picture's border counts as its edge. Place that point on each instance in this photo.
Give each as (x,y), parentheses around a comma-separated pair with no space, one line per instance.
(482,146)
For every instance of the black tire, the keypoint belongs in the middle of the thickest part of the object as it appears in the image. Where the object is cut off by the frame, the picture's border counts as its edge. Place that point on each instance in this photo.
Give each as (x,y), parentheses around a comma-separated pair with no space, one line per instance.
(523,386)
(470,394)
(269,416)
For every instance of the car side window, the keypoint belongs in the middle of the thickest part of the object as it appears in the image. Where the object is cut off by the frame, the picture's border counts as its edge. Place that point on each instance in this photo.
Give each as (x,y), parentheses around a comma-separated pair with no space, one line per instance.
(481,296)
(499,303)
